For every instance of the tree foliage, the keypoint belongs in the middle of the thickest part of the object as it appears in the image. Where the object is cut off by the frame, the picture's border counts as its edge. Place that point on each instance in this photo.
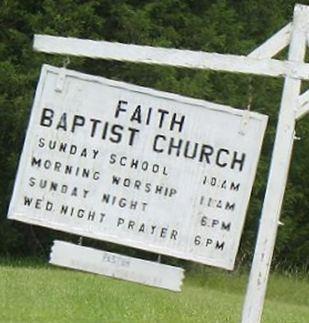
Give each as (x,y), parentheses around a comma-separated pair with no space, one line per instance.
(224,26)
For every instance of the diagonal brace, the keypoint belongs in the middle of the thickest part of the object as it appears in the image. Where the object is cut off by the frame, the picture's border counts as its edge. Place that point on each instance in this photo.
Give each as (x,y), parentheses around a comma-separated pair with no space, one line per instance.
(303,105)
(274,44)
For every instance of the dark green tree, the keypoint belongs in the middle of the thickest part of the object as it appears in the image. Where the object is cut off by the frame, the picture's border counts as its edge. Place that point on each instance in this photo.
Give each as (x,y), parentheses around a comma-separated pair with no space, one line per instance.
(224,26)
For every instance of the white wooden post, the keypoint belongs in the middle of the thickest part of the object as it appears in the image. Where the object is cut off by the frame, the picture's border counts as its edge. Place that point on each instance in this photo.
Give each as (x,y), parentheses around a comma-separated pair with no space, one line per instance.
(254,301)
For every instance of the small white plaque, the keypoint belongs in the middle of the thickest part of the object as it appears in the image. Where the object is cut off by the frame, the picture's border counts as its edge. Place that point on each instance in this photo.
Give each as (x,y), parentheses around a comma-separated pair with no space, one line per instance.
(139,167)
(118,266)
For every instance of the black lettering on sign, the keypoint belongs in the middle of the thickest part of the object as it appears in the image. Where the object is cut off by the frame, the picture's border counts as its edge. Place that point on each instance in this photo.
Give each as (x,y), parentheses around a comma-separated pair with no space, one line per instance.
(215,223)
(68,148)
(208,243)
(147,229)
(139,114)
(51,186)
(138,164)
(47,117)
(217,203)
(39,204)
(222,184)
(65,169)
(115,133)
(136,184)
(123,202)
(203,153)
(235,187)
(82,214)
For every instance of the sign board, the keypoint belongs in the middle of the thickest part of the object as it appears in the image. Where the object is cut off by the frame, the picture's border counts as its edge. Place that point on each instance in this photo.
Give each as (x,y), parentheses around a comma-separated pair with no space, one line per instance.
(117,266)
(136,166)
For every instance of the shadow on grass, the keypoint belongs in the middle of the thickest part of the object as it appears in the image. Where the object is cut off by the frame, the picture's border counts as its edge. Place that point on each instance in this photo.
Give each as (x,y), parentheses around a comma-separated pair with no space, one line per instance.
(24,262)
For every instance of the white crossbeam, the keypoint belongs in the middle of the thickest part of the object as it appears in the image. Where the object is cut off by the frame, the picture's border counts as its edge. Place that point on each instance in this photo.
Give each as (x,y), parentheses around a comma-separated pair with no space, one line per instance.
(274,44)
(171,57)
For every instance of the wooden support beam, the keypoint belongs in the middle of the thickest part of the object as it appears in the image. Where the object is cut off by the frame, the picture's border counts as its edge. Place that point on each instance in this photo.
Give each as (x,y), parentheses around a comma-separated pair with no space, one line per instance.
(302,111)
(171,57)
(274,44)
(277,179)
(303,105)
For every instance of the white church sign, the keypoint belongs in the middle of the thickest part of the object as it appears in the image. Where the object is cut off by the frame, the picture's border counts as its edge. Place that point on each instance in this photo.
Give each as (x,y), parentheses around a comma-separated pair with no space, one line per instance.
(109,264)
(169,139)
(139,167)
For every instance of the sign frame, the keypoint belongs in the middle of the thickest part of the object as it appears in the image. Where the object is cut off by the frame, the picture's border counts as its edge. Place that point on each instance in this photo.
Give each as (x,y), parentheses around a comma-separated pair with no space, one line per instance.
(293,70)
(243,125)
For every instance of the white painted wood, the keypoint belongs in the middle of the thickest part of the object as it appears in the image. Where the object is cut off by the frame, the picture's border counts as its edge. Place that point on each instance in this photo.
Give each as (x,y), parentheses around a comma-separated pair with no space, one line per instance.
(303,99)
(171,57)
(304,110)
(274,44)
(293,70)
(117,266)
(303,105)
(188,205)
(255,296)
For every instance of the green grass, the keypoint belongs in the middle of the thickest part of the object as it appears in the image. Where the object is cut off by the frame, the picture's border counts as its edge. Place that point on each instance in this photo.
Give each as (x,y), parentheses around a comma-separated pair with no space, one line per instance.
(36,292)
